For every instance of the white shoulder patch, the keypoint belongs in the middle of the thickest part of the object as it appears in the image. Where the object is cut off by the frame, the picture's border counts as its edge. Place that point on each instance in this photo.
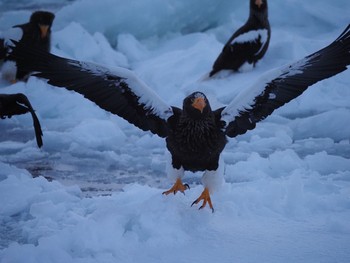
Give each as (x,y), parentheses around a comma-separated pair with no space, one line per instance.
(252,36)
(296,67)
(245,99)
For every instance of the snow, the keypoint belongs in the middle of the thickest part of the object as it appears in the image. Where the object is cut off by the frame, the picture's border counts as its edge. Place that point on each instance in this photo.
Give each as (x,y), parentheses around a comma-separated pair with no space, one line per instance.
(93,193)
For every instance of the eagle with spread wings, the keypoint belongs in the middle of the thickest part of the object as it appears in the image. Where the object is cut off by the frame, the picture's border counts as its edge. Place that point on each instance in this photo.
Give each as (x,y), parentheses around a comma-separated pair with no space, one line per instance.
(195,134)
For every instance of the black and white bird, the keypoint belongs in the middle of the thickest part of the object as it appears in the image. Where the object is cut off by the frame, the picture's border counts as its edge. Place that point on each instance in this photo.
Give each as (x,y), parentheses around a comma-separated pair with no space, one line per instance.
(17,104)
(195,134)
(248,44)
(36,33)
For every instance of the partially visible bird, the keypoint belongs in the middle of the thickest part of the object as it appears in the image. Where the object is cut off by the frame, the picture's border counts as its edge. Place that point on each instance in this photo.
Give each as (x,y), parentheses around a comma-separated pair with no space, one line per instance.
(249,43)
(36,33)
(3,50)
(195,134)
(17,104)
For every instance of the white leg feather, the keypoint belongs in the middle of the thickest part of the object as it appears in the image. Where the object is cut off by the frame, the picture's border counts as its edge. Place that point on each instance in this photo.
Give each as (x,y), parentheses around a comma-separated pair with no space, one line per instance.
(173,173)
(213,180)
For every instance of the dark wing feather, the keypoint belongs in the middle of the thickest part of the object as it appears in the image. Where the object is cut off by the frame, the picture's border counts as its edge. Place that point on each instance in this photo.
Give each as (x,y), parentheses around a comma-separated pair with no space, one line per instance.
(119,92)
(9,106)
(17,104)
(282,85)
(22,99)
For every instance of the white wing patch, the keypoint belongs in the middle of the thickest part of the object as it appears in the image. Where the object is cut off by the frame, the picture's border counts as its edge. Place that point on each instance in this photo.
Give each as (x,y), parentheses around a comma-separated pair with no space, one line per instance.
(146,95)
(296,67)
(252,36)
(245,100)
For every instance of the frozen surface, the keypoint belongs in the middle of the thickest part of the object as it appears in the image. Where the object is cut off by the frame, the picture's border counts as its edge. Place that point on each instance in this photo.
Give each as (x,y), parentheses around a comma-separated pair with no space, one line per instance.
(96,192)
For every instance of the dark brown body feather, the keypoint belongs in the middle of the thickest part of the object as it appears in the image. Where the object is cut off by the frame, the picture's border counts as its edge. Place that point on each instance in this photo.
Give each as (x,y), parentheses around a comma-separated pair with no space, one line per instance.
(196,144)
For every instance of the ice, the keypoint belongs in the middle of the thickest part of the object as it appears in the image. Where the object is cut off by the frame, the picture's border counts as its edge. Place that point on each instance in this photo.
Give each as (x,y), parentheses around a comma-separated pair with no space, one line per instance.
(93,193)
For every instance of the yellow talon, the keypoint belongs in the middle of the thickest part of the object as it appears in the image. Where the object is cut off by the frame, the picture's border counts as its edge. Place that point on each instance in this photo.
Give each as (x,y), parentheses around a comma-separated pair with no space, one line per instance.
(205,196)
(178,186)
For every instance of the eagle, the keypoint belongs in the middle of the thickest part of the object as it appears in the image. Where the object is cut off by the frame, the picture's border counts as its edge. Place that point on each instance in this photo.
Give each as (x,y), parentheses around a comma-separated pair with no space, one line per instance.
(195,133)
(36,33)
(248,44)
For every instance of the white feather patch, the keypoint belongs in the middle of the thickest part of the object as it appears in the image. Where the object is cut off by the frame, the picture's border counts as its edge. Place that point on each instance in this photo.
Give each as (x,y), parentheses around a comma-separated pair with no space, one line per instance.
(252,36)
(146,95)
(172,173)
(245,99)
(213,180)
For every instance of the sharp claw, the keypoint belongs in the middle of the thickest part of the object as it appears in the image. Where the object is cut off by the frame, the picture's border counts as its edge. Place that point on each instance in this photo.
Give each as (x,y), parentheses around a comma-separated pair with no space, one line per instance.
(194,202)
(177,187)
(205,196)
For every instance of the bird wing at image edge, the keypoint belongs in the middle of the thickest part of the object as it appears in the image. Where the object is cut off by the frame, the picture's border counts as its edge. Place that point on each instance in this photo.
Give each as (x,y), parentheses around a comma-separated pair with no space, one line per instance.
(286,84)
(109,91)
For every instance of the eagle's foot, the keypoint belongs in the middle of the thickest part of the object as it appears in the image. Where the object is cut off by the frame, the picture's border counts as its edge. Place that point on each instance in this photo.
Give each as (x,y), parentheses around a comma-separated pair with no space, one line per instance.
(177,187)
(205,196)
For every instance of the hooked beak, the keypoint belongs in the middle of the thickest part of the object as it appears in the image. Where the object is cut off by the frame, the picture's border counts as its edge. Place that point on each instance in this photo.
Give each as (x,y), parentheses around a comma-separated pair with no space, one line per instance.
(44,29)
(258,3)
(199,104)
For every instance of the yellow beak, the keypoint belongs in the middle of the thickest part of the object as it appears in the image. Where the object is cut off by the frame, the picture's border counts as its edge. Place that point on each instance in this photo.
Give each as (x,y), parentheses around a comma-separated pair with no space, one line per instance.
(44,29)
(258,3)
(199,104)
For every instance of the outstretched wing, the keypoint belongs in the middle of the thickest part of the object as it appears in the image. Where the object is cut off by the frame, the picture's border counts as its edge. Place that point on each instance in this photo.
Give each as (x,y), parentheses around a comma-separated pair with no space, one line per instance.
(17,104)
(119,91)
(280,86)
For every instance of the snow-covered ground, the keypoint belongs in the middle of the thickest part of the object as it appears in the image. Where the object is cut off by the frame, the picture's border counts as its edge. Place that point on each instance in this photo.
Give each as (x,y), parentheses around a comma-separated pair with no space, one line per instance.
(96,195)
